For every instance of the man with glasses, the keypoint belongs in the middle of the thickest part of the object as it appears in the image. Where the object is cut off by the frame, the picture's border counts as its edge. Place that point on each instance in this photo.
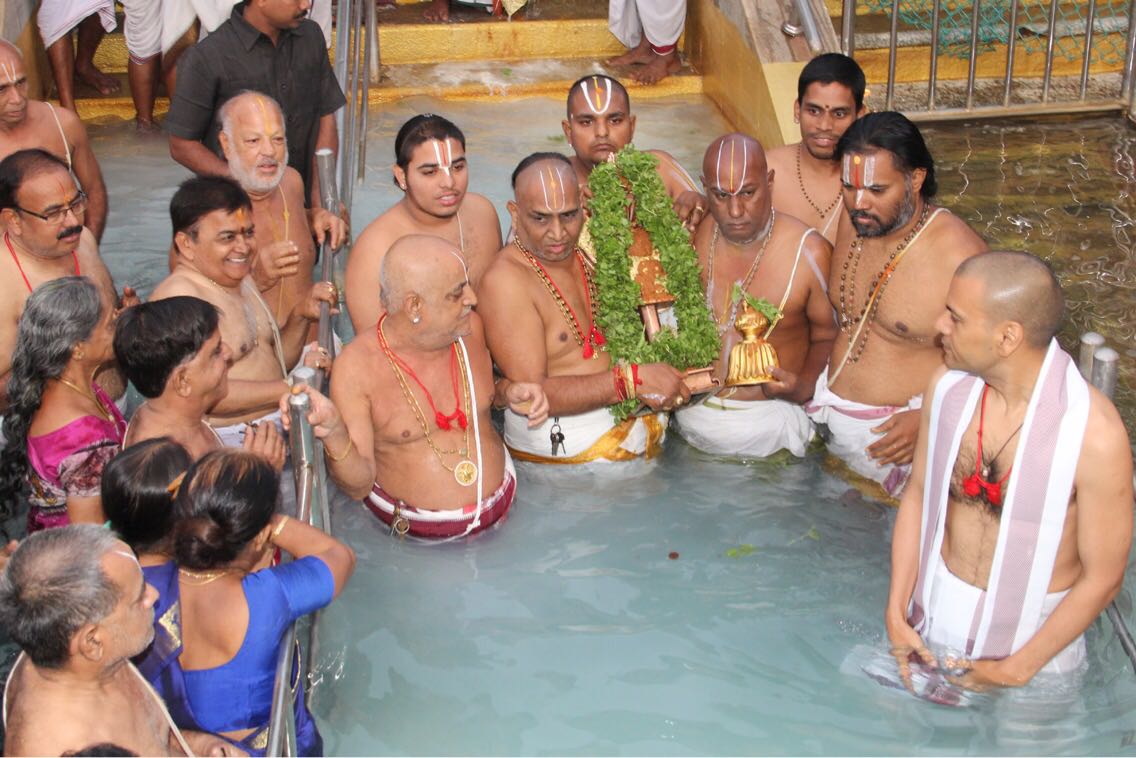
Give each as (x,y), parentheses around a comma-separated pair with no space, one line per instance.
(42,213)
(28,123)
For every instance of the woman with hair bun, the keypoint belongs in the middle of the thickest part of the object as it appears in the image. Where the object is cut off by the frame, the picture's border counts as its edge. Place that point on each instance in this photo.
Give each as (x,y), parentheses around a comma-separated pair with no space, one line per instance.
(61,428)
(233,610)
(138,490)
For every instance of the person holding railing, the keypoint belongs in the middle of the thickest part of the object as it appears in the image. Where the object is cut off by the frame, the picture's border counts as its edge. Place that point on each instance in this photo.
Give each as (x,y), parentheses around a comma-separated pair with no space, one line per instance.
(234,607)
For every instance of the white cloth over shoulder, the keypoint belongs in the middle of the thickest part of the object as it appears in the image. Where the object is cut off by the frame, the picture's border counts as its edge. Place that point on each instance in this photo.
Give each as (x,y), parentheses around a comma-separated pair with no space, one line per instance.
(179,15)
(1016,601)
(850,432)
(57,18)
(661,20)
(233,435)
(745,428)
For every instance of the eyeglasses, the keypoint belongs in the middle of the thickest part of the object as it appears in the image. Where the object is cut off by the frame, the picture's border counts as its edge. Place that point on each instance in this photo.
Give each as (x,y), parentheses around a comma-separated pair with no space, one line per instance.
(55,217)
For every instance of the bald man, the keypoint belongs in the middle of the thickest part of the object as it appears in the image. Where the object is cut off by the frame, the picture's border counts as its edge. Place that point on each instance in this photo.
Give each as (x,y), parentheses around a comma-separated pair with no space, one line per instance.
(538,303)
(416,394)
(432,170)
(1014,533)
(893,260)
(254,143)
(745,246)
(26,124)
(600,123)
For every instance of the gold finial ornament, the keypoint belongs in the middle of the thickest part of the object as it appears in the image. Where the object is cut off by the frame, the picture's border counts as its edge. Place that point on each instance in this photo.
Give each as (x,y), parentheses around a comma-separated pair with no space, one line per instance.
(752,359)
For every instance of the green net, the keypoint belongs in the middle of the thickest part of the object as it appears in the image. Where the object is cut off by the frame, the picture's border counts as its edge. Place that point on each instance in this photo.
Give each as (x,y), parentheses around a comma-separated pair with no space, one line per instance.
(1109,28)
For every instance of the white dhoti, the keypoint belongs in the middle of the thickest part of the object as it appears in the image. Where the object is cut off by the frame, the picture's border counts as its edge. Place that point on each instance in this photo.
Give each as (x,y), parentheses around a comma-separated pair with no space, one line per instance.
(850,432)
(745,428)
(661,20)
(142,28)
(588,437)
(233,435)
(953,606)
(56,18)
(179,15)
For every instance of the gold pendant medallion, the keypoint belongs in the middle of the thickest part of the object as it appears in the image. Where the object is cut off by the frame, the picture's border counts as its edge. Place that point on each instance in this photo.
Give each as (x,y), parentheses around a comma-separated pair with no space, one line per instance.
(465,473)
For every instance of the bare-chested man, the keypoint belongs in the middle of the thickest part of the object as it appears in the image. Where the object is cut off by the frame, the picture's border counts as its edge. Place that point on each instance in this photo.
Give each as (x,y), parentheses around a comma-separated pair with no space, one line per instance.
(415,394)
(76,602)
(600,123)
(253,141)
(538,303)
(894,257)
(28,123)
(172,352)
(830,96)
(432,170)
(213,231)
(42,213)
(1014,533)
(745,246)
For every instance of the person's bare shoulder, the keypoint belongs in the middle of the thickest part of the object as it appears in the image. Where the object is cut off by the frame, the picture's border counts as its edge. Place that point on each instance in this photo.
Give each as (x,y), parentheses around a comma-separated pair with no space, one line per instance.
(72,126)
(381,233)
(293,185)
(481,208)
(505,277)
(177,283)
(781,156)
(1105,434)
(956,240)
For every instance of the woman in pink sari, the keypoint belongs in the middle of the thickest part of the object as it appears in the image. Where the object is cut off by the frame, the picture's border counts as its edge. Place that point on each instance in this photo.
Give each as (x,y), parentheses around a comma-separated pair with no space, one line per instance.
(61,428)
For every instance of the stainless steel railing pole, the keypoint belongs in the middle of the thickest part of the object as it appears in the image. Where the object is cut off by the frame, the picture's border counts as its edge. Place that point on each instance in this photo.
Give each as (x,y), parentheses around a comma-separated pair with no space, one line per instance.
(1050,42)
(1087,62)
(848,28)
(892,54)
(1011,43)
(933,78)
(972,68)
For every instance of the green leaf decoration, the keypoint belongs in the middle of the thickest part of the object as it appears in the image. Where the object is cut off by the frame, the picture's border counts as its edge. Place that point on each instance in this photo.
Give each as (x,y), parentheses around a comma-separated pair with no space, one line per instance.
(741,550)
(696,342)
(771,312)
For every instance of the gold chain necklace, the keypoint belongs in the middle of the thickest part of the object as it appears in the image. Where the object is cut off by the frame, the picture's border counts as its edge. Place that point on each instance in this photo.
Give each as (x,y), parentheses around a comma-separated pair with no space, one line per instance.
(594,339)
(89,394)
(465,470)
(201,578)
(871,307)
(800,180)
(731,307)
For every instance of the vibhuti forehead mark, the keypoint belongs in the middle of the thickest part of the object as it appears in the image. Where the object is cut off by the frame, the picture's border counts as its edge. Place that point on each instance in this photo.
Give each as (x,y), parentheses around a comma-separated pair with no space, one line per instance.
(552,185)
(598,100)
(447,163)
(734,178)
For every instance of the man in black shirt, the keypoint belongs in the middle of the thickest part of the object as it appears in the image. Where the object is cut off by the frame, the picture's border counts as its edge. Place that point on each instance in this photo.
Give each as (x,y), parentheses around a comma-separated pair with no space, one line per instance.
(267,46)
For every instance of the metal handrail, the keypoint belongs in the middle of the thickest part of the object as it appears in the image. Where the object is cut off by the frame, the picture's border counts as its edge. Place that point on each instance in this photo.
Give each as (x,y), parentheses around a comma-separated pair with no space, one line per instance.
(799,19)
(1050,101)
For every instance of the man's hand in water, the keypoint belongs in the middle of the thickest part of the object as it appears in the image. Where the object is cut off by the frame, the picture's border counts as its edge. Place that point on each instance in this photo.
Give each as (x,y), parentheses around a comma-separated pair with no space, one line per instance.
(691,208)
(897,446)
(907,647)
(984,675)
(275,261)
(328,226)
(527,399)
(263,440)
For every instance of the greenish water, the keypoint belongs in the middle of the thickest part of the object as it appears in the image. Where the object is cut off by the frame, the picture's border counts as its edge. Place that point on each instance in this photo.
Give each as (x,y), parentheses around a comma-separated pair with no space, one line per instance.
(570,630)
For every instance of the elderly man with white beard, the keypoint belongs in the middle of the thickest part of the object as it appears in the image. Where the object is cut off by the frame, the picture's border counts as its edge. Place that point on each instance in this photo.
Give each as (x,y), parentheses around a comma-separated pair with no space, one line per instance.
(254,144)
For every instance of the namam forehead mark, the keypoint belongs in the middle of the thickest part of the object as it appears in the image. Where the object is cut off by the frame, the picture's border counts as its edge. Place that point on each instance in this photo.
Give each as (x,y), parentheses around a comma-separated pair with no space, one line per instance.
(444,154)
(9,72)
(736,154)
(859,172)
(598,96)
(461,260)
(554,186)
(241,214)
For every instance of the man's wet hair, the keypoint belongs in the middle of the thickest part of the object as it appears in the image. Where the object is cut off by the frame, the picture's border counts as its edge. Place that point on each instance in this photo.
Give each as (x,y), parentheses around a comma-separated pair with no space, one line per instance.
(529,160)
(152,339)
(579,83)
(423,128)
(20,166)
(893,132)
(200,196)
(829,68)
(1019,287)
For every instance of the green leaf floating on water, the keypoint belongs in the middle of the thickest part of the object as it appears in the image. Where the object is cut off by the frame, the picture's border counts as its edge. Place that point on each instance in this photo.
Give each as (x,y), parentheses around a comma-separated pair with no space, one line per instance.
(740,550)
(506,71)
(813,534)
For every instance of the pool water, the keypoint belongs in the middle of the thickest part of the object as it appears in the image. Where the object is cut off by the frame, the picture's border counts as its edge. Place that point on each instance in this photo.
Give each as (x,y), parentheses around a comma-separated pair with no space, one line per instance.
(692,605)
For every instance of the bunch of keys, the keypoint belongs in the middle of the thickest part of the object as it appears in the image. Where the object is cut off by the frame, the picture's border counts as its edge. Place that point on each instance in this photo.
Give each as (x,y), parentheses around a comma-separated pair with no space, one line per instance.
(557,438)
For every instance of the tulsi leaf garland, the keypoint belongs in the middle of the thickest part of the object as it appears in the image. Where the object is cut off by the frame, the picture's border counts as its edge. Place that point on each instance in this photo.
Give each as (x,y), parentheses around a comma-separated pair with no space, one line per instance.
(696,343)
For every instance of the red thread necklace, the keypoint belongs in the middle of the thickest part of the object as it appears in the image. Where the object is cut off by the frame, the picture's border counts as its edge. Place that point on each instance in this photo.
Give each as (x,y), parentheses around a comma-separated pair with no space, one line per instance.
(444,422)
(977,482)
(28,284)
(594,339)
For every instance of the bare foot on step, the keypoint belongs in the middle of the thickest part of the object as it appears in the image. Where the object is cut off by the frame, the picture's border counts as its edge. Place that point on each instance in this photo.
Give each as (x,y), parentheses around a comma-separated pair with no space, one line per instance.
(658,69)
(640,54)
(439,10)
(104,83)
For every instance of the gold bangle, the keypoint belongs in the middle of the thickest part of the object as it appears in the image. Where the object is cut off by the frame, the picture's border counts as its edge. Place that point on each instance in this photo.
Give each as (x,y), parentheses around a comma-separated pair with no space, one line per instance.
(279,528)
(346,451)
